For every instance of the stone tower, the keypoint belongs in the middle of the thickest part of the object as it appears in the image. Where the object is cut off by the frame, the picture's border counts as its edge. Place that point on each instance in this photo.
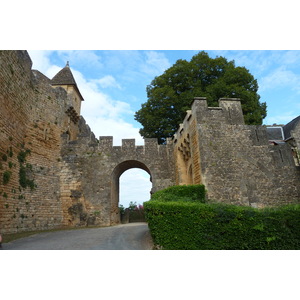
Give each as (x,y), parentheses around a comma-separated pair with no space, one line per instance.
(65,79)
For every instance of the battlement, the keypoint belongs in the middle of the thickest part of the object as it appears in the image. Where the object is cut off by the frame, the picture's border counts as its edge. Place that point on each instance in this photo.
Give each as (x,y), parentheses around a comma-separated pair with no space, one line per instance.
(150,144)
(229,111)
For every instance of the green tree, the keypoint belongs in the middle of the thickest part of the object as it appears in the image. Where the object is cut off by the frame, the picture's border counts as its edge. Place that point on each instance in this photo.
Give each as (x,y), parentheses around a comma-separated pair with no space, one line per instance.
(170,94)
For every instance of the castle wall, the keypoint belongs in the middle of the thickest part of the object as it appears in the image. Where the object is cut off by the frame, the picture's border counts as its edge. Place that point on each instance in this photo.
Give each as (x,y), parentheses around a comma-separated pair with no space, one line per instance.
(32,119)
(238,165)
(296,136)
(92,168)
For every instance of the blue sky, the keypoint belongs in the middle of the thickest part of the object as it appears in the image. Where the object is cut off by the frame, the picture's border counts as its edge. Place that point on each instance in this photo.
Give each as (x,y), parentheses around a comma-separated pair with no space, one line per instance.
(113,84)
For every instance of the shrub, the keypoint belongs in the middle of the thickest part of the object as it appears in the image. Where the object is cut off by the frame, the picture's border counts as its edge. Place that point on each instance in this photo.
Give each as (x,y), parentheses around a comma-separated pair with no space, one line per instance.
(181,193)
(194,225)
(137,214)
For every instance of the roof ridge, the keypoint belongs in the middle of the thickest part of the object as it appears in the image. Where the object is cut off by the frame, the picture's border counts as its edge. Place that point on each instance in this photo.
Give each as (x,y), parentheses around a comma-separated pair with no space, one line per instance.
(290,126)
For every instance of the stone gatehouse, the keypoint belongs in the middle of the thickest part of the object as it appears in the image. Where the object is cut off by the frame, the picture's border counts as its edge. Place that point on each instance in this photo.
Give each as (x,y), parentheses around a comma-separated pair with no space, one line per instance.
(54,172)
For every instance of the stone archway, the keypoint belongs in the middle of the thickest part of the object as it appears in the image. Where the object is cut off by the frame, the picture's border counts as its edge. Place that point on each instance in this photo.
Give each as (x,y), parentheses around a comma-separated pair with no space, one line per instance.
(115,185)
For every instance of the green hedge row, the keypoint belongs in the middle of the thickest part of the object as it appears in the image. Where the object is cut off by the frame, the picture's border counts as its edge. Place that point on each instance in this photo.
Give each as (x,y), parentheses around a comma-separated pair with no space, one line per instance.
(191,225)
(181,193)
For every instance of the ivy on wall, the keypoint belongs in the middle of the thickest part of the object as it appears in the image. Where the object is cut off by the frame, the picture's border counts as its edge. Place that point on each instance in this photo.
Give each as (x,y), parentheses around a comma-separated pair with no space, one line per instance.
(25,170)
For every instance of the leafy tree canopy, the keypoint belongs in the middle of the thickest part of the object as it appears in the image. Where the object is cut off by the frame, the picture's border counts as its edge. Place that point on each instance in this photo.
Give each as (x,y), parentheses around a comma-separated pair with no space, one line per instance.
(170,94)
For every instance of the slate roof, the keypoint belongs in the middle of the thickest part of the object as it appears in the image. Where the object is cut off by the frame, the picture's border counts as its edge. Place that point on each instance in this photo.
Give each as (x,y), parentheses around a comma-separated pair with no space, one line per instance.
(65,77)
(289,127)
(275,133)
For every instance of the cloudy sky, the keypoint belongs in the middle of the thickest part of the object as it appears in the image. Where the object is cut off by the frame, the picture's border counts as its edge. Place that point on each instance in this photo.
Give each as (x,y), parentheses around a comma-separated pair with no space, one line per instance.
(113,84)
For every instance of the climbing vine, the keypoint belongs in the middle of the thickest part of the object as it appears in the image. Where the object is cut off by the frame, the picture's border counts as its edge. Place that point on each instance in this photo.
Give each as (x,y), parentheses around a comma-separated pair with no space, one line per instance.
(6,177)
(25,169)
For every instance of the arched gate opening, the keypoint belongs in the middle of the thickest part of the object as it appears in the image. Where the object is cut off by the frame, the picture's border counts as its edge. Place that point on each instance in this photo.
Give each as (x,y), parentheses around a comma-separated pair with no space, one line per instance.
(115,185)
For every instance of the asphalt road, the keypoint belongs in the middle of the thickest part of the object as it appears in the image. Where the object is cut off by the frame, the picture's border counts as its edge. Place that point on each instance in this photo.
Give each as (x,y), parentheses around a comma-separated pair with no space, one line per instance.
(132,236)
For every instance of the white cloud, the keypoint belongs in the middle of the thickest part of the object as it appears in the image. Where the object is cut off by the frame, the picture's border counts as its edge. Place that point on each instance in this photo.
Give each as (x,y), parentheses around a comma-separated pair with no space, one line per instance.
(104,115)
(108,81)
(117,128)
(156,63)
(40,60)
(279,78)
(291,57)
(135,186)
(135,66)
(85,58)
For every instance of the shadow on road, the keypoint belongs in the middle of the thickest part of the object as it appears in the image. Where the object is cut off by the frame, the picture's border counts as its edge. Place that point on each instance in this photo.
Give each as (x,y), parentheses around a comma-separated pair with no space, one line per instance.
(132,236)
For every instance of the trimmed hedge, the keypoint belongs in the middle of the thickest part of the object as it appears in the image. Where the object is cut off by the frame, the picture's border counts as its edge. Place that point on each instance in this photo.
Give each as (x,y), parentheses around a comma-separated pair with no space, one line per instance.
(181,193)
(183,225)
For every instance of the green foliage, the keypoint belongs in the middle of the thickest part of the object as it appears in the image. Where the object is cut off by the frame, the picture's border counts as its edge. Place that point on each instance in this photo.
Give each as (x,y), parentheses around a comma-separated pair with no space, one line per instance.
(132,205)
(194,225)
(122,209)
(194,192)
(22,155)
(134,213)
(4,157)
(170,94)
(137,214)
(6,177)
(23,179)
(10,152)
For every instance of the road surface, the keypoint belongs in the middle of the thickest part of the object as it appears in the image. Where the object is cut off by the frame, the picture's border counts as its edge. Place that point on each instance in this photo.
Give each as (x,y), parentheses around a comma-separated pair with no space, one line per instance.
(132,236)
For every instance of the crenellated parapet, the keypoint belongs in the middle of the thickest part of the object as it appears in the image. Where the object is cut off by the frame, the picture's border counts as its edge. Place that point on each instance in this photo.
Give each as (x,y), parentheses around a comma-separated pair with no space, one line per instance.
(229,111)
(128,147)
(106,142)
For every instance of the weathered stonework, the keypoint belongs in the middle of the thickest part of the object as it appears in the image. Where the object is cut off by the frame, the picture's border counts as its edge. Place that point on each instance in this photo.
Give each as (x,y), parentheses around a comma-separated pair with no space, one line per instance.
(93,168)
(54,172)
(32,119)
(237,163)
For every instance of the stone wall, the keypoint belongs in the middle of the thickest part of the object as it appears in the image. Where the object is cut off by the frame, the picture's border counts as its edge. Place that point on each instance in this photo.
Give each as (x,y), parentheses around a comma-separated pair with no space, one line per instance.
(32,120)
(92,168)
(237,163)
